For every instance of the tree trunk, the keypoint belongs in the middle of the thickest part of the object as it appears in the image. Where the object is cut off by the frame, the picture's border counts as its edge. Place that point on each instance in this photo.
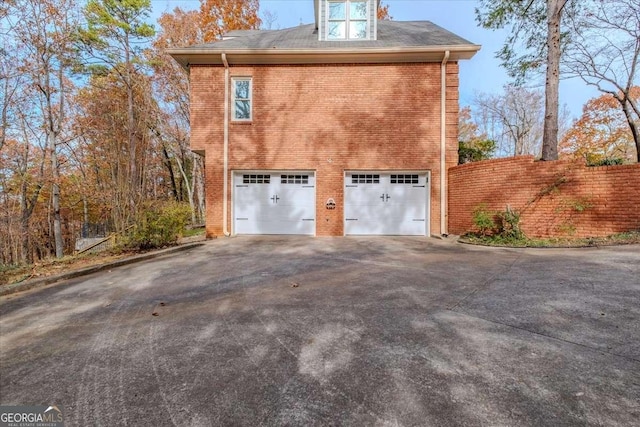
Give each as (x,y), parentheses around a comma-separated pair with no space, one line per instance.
(26,255)
(172,177)
(55,196)
(133,171)
(198,184)
(54,132)
(550,132)
(189,191)
(632,125)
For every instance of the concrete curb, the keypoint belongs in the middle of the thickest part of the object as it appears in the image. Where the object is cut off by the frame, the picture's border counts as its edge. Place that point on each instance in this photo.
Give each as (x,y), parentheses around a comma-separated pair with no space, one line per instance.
(43,281)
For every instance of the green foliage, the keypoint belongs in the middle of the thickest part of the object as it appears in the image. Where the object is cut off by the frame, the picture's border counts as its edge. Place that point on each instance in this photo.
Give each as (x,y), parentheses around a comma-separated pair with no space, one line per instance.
(508,224)
(579,205)
(604,162)
(474,151)
(116,30)
(159,225)
(630,237)
(483,219)
(503,224)
(525,48)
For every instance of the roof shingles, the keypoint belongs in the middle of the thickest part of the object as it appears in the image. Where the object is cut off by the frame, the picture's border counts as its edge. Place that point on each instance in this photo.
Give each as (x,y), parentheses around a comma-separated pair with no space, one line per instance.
(391,34)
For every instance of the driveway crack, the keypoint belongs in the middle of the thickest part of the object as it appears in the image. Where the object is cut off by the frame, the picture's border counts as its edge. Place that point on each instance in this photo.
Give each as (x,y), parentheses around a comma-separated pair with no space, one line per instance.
(599,350)
(486,283)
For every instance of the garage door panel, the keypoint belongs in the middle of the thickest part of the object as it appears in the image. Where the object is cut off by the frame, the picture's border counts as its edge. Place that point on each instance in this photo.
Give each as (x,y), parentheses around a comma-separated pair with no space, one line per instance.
(387,204)
(282,204)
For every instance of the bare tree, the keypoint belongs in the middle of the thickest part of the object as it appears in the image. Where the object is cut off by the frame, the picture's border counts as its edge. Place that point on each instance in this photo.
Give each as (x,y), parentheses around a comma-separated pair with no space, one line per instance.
(605,51)
(514,119)
(47,29)
(269,19)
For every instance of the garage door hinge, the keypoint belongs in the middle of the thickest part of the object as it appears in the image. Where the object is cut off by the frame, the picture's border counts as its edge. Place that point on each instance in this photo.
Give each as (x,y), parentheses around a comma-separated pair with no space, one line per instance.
(421,186)
(351,186)
(241,186)
(422,220)
(308,219)
(242,219)
(351,219)
(307,186)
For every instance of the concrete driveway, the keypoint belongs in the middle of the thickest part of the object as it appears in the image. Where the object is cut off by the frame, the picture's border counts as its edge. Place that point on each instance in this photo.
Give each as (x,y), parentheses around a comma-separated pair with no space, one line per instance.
(335,331)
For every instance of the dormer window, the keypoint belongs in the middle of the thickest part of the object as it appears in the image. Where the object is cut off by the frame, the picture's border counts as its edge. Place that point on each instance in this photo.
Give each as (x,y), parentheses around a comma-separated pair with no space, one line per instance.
(347,19)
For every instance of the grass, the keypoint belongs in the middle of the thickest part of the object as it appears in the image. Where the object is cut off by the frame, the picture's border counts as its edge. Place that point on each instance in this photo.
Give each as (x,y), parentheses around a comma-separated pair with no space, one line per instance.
(630,237)
(196,231)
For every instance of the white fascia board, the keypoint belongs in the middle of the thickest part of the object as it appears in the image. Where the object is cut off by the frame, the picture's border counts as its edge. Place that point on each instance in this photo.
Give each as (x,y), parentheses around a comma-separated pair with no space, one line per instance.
(205,56)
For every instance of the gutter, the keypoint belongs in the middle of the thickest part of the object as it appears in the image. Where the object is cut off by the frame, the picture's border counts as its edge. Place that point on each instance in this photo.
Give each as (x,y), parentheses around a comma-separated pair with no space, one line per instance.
(204,55)
(443,144)
(225,179)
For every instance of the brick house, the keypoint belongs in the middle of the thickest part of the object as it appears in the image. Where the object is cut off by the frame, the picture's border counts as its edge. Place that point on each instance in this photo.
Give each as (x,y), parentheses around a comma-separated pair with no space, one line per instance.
(341,127)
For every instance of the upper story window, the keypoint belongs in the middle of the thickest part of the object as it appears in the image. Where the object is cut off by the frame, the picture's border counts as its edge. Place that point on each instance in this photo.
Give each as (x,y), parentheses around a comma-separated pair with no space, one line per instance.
(347,19)
(242,98)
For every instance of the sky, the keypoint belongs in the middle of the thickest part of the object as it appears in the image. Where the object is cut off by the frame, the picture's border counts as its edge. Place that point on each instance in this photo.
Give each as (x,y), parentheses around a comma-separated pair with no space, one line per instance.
(482,73)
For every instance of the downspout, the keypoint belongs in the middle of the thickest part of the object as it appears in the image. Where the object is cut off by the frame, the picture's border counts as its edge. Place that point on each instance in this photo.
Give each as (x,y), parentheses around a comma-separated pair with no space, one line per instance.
(443,144)
(225,155)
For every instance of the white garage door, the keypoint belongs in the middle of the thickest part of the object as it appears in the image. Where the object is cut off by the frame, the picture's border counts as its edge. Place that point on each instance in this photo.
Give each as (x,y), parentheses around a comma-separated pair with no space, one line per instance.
(386,203)
(270,202)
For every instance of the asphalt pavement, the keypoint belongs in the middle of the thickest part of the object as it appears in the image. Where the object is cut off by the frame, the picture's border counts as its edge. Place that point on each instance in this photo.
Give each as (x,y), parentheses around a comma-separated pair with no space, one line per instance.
(335,331)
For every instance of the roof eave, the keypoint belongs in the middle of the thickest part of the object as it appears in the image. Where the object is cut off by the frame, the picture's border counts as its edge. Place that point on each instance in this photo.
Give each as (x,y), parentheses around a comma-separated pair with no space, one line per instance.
(208,56)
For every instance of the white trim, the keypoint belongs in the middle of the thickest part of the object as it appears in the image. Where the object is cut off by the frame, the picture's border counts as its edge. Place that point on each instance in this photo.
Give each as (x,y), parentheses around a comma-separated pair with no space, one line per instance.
(347,21)
(344,55)
(225,168)
(375,20)
(232,100)
(443,144)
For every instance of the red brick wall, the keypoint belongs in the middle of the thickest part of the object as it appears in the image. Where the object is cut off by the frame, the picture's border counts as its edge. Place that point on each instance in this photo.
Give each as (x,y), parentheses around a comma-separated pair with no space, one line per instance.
(328,119)
(559,198)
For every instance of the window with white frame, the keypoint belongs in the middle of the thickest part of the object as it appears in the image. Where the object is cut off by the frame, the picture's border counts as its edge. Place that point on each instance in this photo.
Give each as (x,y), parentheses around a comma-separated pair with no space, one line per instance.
(347,19)
(242,96)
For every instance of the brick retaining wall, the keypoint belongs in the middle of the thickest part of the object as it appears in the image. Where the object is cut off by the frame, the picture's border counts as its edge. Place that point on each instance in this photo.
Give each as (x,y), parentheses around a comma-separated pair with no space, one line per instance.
(561,198)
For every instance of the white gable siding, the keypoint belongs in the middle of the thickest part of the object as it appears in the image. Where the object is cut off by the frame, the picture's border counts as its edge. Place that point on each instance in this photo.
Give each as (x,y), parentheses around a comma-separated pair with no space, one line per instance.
(322,16)
(373,20)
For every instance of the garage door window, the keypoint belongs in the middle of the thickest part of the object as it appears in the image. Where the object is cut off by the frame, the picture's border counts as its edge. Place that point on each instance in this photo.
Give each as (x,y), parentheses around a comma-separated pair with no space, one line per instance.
(404,179)
(294,179)
(365,179)
(256,179)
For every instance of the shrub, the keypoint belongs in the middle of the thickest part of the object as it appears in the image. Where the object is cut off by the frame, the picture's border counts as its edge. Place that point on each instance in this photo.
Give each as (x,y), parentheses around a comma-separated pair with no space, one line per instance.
(503,225)
(605,162)
(508,224)
(159,225)
(474,151)
(483,220)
